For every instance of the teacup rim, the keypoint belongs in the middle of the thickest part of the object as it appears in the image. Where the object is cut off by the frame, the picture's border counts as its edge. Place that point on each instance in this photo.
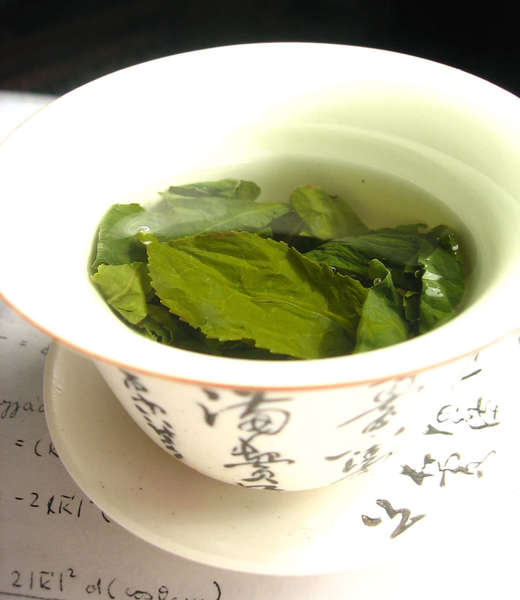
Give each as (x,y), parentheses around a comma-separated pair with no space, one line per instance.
(208,383)
(437,338)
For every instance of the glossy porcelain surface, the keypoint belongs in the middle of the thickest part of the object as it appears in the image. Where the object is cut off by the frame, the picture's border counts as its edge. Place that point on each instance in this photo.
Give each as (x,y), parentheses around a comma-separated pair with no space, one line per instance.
(433,496)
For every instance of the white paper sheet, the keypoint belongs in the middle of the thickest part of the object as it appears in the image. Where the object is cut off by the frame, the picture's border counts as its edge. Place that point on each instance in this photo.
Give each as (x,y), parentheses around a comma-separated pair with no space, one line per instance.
(55,544)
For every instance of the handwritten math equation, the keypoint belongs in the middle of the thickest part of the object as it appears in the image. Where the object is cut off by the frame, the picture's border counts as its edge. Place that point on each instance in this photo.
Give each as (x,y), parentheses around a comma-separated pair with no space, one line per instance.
(37,447)
(12,409)
(64,505)
(40,584)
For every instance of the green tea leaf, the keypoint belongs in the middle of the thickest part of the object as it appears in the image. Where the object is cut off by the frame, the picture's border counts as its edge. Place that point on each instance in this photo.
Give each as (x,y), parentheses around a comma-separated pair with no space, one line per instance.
(228,188)
(290,228)
(240,286)
(125,288)
(163,326)
(160,325)
(326,216)
(392,245)
(412,310)
(397,247)
(445,238)
(220,289)
(288,225)
(342,257)
(382,321)
(407,278)
(116,243)
(178,216)
(224,205)
(442,285)
(117,236)
(242,349)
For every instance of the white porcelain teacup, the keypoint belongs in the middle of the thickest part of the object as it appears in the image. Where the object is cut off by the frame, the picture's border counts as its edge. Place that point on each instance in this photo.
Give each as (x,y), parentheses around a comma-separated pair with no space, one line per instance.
(275,113)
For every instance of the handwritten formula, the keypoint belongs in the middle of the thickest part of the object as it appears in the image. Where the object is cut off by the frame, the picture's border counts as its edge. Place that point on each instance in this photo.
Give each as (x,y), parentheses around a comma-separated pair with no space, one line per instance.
(52,584)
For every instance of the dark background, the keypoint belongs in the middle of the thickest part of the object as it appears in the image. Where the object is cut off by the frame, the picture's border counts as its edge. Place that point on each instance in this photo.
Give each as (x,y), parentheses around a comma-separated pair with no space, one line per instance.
(52,46)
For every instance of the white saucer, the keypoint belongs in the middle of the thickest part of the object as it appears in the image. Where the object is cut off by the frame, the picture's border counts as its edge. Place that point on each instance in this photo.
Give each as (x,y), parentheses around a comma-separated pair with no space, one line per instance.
(343,527)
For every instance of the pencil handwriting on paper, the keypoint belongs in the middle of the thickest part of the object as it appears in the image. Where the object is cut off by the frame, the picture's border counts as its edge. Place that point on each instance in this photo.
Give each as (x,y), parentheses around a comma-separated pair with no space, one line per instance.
(37,584)
(11,409)
(64,505)
(40,448)
(40,581)
(406,519)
